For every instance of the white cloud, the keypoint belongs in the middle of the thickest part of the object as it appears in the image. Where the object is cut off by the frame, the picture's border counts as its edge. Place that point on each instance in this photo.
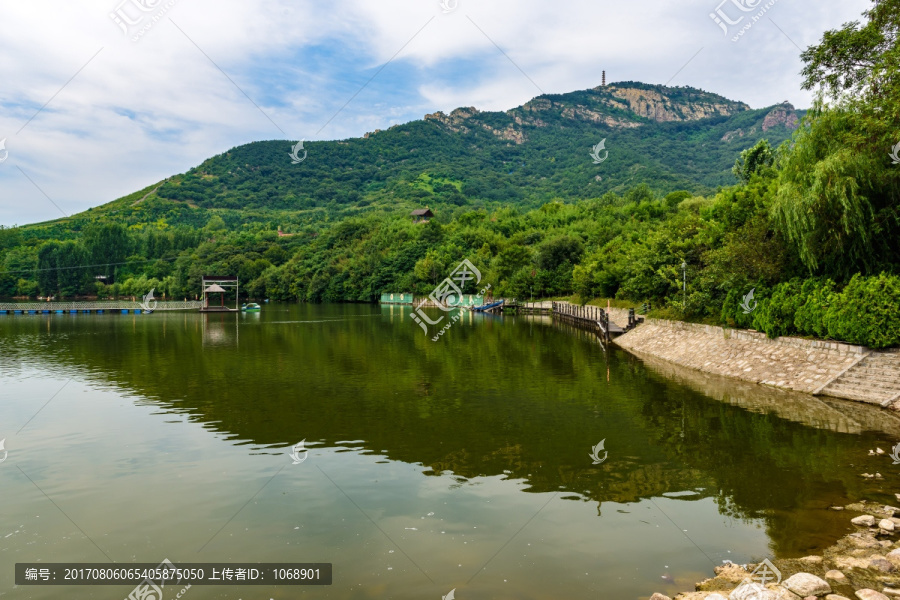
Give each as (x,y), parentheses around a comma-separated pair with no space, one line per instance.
(139,112)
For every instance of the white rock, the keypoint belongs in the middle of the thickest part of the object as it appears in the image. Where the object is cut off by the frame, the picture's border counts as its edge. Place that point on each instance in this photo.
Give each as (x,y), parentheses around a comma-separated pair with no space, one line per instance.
(806,584)
(783,594)
(716,597)
(812,560)
(879,450)
(870,595)
(886,524)
(891,592)
(659,597)
(864,521)
(751,591)
(835,576)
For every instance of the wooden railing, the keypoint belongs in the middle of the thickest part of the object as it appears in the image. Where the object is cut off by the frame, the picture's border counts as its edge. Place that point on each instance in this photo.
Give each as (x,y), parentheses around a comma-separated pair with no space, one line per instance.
(110,305)
(592,317)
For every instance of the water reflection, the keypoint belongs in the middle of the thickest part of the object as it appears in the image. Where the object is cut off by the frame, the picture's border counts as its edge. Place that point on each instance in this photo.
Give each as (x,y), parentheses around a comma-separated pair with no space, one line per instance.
(508,404)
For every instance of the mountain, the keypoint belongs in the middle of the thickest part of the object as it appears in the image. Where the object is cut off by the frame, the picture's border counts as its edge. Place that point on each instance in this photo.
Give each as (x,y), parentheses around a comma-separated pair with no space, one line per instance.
(677,138)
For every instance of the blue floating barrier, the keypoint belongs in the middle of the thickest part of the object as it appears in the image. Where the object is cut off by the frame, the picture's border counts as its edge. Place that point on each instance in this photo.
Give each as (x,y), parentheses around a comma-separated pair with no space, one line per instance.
(17,312)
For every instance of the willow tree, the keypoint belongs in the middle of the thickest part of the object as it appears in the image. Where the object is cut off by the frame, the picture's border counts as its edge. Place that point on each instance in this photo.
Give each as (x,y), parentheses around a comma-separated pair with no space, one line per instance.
(838,200)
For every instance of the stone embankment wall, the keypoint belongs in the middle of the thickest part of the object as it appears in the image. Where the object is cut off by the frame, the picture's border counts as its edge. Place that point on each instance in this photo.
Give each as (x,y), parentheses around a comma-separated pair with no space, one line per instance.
(810,366)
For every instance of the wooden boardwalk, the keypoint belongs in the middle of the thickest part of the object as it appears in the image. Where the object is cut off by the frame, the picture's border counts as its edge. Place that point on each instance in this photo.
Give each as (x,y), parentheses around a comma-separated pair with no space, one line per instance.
(592,317)
(95,307)
(535,308)
(471,302)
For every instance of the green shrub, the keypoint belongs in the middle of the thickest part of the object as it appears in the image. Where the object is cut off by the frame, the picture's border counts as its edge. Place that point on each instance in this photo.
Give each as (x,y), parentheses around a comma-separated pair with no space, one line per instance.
(775,314)
(733,315)
(818,296)
(867,312)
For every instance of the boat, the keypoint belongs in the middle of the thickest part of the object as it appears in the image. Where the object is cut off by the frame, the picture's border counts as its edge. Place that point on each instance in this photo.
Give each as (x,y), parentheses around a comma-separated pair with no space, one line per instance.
(252,307)
(486,307)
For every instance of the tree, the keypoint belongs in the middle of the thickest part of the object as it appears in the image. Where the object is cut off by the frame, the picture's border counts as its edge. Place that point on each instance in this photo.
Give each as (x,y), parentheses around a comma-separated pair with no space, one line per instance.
(860,60)
(838,200)
(18,264)
(216,225)
(107,244)
(47,272)
(755,160)
(559,251)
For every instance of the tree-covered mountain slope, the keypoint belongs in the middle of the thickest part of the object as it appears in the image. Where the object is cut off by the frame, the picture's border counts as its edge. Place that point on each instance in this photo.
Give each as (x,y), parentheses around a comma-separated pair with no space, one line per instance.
(669,138)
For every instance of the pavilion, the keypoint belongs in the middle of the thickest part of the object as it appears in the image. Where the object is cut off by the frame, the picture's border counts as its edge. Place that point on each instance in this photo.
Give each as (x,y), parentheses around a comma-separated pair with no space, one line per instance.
(219,284)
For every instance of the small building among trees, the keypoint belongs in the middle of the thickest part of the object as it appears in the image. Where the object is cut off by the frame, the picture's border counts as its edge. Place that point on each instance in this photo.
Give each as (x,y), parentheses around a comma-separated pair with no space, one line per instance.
(422,215)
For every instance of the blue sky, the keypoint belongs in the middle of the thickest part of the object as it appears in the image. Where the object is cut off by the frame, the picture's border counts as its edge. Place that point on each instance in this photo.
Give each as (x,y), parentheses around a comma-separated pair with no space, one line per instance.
(90,115)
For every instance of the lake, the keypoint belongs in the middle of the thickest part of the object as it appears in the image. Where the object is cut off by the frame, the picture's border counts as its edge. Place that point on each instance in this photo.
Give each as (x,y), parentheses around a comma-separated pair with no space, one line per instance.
(464,463)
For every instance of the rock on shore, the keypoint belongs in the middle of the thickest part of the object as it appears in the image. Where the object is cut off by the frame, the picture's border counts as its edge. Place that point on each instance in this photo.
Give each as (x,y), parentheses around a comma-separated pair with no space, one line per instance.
(863,565)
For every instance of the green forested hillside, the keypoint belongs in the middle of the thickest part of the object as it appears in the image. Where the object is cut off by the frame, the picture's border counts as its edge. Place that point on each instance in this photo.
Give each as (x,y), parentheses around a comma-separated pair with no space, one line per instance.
(668,138)
(812,225)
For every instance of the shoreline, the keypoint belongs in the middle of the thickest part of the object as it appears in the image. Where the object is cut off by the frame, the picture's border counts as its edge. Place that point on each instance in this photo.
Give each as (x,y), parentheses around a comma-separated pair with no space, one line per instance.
(793,378)
(863,565)
(815,367)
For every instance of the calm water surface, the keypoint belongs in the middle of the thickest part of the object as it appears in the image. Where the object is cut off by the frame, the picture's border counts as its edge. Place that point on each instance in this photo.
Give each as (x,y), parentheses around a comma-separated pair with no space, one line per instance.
(462,463)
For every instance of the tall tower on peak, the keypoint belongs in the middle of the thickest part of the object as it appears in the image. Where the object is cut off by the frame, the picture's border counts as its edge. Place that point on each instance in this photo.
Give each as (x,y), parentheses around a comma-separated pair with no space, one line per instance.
(604,79)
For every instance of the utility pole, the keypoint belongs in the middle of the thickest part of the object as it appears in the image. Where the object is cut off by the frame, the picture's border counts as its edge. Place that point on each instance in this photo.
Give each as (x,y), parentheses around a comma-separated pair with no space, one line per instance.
(684,272)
